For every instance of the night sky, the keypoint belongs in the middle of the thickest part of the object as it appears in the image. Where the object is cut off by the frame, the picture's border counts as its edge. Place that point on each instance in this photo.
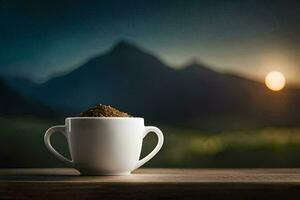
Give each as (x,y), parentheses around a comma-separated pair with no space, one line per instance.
(40,39)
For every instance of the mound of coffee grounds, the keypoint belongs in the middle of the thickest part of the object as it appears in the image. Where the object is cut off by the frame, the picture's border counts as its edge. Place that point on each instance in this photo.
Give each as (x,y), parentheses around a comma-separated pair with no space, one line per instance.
(103,111)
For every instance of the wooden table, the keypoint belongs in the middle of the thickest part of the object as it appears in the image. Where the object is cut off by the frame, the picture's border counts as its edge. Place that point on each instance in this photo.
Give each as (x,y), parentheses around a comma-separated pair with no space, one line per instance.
(152,184)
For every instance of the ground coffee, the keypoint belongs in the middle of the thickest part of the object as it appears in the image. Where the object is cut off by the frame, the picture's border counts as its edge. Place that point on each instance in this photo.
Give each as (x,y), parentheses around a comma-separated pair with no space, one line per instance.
(103,111)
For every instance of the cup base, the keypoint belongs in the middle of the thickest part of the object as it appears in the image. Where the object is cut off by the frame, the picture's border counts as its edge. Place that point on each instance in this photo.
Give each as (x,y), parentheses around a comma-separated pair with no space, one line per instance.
(104,174)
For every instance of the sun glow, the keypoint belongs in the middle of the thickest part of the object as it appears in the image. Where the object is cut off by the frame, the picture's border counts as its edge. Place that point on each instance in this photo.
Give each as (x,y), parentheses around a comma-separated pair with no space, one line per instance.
(275,81)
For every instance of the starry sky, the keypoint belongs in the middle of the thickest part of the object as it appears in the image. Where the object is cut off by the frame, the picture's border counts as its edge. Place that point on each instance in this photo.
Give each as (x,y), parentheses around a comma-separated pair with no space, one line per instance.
(40,39)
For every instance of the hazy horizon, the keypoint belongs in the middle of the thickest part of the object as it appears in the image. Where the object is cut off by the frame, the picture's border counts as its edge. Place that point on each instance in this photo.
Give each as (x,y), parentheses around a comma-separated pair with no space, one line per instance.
(250,38)
(188,62)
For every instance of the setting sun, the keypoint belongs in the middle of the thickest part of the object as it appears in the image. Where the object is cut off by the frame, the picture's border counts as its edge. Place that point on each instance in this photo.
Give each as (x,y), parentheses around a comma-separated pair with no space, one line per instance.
(275,81)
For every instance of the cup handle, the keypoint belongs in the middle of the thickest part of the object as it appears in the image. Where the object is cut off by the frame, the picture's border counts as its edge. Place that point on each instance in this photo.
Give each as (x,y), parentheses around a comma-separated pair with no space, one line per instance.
(160,142)
(49,132)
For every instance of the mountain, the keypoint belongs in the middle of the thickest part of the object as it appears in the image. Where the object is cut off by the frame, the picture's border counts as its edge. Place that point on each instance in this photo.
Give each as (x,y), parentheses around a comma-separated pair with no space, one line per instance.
(117,77)
(14,104)
(135,81)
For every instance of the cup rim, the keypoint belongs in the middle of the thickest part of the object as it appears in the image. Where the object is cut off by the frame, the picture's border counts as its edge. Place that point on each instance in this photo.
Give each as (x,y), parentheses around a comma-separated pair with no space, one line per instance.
(106,118)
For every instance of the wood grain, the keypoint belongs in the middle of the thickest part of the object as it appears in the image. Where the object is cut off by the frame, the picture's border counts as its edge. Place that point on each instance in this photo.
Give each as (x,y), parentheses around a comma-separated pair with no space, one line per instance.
(152,184)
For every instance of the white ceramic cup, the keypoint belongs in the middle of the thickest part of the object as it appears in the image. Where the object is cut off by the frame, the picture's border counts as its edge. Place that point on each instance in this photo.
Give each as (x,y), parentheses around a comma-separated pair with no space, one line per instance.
(104,145)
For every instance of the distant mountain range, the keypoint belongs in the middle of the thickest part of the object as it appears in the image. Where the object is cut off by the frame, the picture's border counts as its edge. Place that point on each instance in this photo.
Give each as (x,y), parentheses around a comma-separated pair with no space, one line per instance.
(135,81)
(12,103)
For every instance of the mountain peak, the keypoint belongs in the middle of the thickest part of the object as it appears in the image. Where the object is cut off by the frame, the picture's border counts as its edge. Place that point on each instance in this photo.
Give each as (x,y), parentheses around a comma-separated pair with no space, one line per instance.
(124,45)
(195,66)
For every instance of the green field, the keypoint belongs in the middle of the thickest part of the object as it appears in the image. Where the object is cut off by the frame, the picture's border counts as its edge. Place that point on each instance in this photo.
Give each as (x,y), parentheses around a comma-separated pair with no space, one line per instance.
(21,141)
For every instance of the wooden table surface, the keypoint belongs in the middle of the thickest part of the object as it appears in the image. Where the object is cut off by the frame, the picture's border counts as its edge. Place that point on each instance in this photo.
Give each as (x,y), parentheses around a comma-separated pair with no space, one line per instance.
(151,184)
